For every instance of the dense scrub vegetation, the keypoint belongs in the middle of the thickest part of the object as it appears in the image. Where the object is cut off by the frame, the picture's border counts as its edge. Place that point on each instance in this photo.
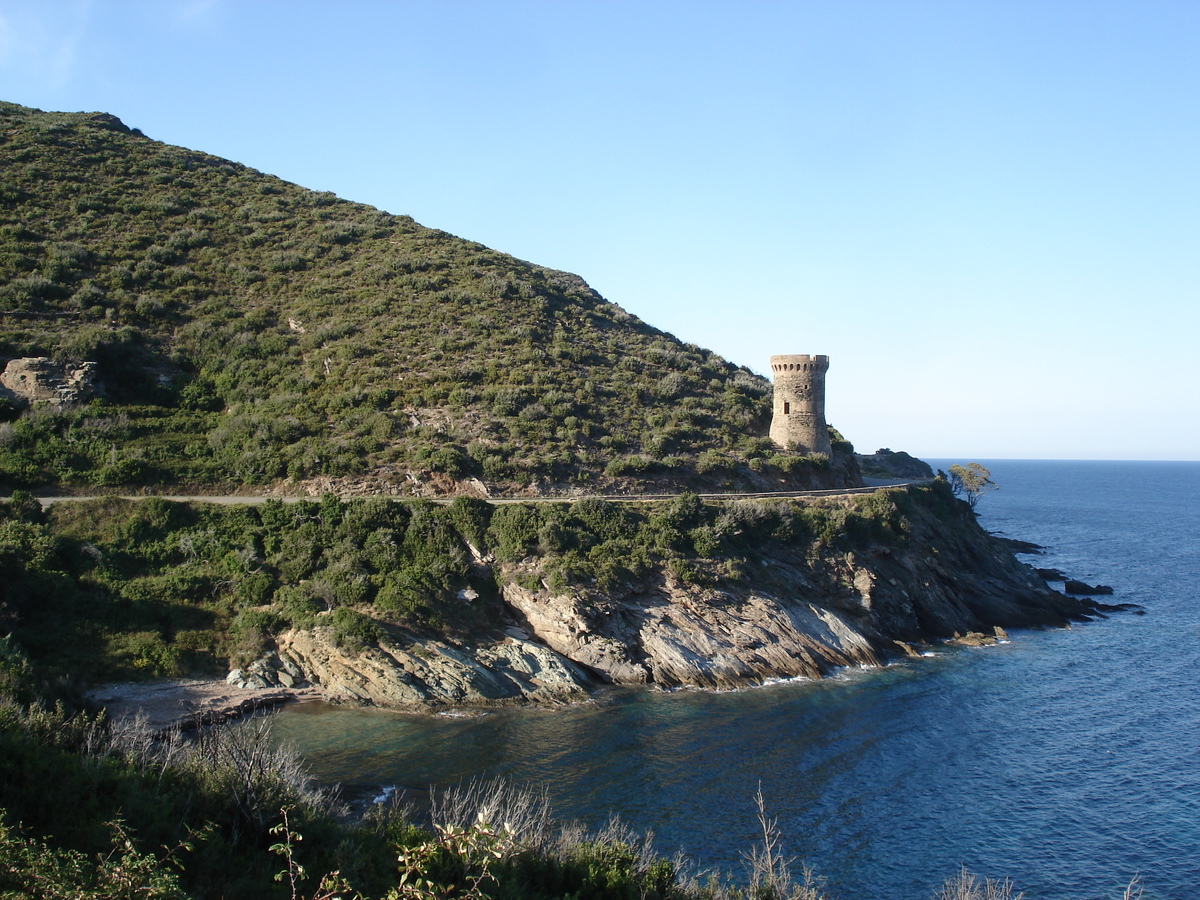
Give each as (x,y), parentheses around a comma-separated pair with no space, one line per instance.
(122,589)
(249,330)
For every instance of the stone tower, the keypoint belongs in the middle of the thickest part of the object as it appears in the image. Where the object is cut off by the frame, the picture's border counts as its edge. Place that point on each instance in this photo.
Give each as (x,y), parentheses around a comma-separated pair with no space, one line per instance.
(799,419)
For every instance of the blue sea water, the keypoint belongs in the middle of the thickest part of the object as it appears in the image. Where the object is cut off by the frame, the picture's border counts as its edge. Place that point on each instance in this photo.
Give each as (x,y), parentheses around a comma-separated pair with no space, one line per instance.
(1067,760)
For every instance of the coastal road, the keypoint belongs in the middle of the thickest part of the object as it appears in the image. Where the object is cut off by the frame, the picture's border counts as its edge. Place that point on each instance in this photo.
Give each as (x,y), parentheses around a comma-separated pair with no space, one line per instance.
(253,499)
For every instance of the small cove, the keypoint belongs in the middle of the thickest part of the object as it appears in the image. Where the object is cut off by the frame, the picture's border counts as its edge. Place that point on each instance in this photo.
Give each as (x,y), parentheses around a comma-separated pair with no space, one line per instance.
(1068,760)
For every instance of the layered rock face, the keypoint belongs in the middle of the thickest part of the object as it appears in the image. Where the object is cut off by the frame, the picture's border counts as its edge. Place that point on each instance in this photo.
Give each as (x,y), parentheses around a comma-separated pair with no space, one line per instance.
(795,615)
(670,634)
(795,611)
(433,673)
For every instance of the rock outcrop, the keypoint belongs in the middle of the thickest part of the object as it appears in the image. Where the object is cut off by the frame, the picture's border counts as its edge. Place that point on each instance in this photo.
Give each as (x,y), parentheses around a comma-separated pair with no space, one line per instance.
(273,671)
(434,673)
(1072,586)
(670,634)
(885,463)
(38,379)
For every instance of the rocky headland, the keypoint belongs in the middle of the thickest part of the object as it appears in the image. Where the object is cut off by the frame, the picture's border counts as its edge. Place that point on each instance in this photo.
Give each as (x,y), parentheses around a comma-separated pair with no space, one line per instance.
(892,464)
(790,611)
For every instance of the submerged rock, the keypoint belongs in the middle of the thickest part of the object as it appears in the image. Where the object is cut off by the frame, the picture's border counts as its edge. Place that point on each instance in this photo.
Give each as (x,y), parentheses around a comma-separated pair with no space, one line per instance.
(978,639)
(1051,574)
(1018,546)
(1071,586)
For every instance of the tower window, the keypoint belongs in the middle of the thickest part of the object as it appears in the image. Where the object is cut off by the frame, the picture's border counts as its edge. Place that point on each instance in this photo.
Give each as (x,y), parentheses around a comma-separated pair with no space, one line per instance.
(787,408)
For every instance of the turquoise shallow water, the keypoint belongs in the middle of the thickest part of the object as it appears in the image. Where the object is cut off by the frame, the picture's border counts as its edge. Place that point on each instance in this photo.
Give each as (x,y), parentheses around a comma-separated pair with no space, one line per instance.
(1068,760)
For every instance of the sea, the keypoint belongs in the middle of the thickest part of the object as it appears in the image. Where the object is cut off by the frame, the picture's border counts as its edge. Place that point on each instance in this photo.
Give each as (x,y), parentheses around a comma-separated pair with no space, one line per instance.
(1066,760)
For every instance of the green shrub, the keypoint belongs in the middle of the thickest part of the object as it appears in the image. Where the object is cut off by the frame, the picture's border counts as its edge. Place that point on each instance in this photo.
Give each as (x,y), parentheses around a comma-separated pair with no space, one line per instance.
(256,589)
(713,461)
(297,606)
(352,630)
(250,635)
(144,654)
(471,518)
(513,531)
(600,519)
(629,465)
(705,541)
(399,596)
(452,461)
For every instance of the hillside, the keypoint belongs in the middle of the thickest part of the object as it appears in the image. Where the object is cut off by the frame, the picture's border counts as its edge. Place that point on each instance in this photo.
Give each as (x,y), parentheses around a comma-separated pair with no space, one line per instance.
(175,322)
(250,332)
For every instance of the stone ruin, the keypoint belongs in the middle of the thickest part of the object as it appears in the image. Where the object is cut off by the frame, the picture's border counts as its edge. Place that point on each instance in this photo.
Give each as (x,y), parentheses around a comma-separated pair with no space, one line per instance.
(39,379)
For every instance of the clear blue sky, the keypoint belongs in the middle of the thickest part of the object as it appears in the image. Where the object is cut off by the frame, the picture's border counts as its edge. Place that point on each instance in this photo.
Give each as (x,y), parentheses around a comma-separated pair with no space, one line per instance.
(986,213)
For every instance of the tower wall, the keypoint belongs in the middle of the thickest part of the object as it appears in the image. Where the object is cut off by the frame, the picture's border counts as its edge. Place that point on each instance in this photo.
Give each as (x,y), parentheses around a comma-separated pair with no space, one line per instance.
(798,422)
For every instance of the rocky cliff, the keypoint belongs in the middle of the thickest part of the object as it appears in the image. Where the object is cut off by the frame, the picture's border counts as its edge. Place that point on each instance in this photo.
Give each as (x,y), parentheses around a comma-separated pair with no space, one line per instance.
(885,463)
(786,598)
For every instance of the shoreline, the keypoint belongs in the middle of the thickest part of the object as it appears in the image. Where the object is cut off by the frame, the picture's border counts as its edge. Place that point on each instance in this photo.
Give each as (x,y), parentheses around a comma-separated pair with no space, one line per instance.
(189,703)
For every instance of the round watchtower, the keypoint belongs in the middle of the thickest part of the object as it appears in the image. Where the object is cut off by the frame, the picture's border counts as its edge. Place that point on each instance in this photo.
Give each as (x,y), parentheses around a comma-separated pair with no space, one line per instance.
(799,419)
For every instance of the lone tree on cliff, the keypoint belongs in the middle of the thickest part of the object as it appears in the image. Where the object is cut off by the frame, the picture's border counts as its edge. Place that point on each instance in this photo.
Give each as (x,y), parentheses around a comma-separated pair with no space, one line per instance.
(971,482)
